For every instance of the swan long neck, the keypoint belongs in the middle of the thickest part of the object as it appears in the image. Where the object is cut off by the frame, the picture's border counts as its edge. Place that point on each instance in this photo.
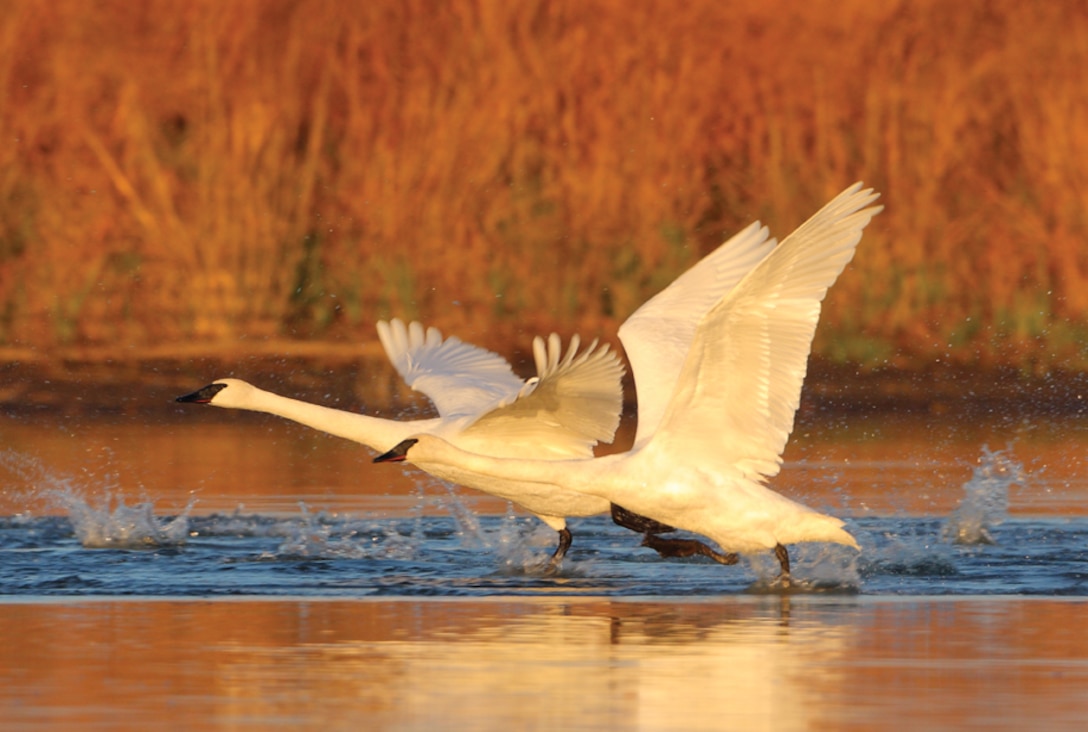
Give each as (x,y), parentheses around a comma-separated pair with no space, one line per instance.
(374,432)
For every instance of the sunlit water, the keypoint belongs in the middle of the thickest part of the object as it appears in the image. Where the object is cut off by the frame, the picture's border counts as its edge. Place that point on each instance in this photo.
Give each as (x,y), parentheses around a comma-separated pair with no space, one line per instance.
(255,574)
(977,549)
(973,551)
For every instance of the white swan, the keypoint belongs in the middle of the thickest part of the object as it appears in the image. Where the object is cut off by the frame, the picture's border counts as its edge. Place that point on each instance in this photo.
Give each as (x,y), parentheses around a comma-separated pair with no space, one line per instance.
(464,381)
(728,415)
(574,402)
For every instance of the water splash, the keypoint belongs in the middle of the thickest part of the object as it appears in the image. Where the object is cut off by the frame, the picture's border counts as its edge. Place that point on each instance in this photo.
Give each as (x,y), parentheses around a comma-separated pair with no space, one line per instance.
(517,542)
(817,568)
(468,522)
(30,470)
(319,536)
(105,524)
(102,521)
(910,550)
(322,535)
(986,500)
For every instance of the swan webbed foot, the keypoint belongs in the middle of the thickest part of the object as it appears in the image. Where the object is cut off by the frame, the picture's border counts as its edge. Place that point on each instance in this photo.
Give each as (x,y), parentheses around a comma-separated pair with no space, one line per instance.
(686,548)
(637,522)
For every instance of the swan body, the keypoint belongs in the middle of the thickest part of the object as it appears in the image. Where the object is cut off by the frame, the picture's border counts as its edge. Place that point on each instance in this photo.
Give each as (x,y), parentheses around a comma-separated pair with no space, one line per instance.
(719,434)
(573,403)
(482,404)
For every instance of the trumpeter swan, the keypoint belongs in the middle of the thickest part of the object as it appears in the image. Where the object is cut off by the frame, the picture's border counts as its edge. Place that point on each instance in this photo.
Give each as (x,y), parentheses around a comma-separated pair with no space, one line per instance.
(727,416)
(574,402)
(460,378)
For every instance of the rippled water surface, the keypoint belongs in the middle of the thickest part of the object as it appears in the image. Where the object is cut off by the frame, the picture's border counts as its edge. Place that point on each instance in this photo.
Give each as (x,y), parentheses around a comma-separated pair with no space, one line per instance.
(239,571)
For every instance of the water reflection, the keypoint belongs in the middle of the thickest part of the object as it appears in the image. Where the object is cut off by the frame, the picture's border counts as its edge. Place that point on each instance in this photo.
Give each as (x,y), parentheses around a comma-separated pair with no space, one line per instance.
(723,663)
(716,662)
(883,465)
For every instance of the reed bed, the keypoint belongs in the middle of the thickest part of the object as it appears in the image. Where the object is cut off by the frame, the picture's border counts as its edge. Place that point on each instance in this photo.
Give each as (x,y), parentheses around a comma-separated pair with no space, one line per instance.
(221,171)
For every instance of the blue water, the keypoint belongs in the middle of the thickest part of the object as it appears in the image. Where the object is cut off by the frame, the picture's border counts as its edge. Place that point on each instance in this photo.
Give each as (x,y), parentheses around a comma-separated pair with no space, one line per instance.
(104,546)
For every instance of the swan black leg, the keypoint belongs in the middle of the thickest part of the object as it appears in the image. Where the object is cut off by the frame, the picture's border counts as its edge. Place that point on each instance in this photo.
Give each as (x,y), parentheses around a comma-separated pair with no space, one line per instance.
(784,563)
(650,528)
(637,522)
(565,539)
(685,548)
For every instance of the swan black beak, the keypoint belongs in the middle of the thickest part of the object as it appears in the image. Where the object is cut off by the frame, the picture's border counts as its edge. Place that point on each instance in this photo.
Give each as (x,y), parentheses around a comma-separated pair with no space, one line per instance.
(398,453)
(203,395)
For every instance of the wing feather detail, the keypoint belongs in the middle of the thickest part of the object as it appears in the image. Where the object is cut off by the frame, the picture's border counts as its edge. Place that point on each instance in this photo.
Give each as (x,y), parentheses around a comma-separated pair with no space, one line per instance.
(573,403)
(459,378)
(740,387)
(658,335)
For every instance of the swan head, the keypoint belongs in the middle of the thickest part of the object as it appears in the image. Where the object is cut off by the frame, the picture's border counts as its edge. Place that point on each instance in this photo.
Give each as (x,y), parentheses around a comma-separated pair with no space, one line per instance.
(231,393)
(426,448)
(399,453)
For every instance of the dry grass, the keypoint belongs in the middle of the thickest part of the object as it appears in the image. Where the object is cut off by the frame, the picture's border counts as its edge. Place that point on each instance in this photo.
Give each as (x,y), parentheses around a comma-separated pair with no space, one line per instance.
(218,170)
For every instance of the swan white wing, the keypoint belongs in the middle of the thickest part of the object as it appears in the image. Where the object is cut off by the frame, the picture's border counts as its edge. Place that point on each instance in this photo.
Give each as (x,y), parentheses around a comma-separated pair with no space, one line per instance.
(460,379)
(573,403)
(658,335)
(740,386)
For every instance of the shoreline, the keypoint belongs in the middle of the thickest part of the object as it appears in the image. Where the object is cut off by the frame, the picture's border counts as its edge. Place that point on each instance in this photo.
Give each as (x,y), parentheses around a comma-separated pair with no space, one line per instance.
(357,377)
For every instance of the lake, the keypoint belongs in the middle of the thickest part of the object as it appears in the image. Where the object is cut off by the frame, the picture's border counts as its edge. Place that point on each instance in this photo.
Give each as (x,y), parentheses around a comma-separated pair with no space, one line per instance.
(226,570)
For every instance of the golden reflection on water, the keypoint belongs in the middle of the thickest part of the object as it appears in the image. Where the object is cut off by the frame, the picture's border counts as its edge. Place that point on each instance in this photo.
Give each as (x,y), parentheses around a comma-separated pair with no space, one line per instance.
(557,663)
(858,466)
